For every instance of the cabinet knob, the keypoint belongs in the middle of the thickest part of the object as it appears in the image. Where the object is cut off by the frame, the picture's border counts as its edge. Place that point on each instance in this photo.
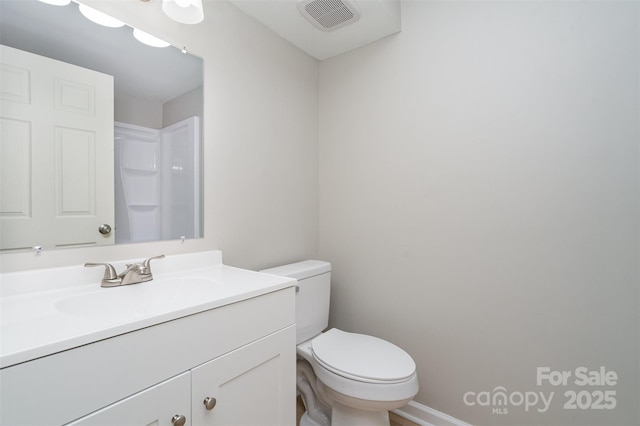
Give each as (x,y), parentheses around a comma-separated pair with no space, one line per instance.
(178,420)
(209,403)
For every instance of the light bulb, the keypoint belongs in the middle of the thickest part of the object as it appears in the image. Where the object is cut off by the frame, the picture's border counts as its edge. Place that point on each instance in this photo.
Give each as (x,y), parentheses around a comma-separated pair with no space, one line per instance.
(184,11)
(99,17)
(57,2)
(148,39)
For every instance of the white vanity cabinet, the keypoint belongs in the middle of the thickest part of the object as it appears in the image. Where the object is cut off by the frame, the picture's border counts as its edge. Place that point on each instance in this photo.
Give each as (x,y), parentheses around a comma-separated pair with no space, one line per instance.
(166,404)
(242,354)
(249,386)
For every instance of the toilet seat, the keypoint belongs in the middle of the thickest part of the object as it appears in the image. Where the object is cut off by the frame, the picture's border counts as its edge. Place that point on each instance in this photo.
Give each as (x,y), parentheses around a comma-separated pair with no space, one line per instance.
(362,358)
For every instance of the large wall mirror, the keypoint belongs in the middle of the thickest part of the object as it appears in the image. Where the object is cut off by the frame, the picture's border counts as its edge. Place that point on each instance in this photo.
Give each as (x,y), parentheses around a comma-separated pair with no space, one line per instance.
(101,134)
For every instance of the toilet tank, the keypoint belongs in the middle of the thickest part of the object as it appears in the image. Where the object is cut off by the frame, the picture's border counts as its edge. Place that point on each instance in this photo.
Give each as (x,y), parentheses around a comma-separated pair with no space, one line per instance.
(312,295)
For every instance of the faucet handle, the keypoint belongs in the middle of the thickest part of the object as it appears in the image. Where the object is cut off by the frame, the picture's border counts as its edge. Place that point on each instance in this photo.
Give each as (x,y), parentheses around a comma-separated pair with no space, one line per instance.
(110,278)
(147,262)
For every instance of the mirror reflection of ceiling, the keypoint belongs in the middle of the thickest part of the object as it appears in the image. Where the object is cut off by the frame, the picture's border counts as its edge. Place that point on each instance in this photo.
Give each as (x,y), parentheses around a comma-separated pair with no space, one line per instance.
(63,33)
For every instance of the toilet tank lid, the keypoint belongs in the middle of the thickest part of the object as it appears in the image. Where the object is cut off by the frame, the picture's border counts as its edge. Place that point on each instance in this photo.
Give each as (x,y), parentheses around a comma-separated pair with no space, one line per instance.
(300,270)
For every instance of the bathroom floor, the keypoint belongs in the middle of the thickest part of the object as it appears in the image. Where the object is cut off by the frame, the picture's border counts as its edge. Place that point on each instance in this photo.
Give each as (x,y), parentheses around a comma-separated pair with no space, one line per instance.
(395,420)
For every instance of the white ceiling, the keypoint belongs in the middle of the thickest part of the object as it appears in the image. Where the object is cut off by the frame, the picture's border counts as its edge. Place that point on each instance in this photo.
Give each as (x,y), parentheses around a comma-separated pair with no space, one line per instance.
(379,18)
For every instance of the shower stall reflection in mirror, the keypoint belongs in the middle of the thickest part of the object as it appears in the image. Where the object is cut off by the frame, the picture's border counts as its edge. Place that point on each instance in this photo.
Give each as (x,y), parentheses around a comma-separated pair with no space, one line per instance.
(157,182)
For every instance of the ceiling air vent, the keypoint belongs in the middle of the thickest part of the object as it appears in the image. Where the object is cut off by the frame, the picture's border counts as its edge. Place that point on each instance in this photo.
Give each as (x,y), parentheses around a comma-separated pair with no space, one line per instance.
(329,15)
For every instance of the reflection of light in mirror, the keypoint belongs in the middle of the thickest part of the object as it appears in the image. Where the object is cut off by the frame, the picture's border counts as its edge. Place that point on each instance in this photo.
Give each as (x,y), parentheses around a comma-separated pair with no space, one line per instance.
(148,39)
(99,18)
(184,11)
(57,2)
(154,88)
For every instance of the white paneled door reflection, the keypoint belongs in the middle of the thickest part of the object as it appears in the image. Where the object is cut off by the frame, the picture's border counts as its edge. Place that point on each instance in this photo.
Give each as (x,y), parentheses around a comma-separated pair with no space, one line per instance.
(56,153)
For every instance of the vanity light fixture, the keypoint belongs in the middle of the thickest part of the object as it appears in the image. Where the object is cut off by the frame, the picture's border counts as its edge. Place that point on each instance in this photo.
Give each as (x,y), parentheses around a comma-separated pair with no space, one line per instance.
(148,39)
(184,11)
(188,8)
(99,17)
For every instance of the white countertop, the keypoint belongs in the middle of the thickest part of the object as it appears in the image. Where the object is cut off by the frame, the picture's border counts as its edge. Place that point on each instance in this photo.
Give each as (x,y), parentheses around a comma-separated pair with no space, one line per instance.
(51,310)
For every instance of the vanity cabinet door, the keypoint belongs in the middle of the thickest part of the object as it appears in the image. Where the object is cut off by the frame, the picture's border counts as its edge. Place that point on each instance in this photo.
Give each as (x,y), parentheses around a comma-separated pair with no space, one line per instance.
(252,385)
(165,404)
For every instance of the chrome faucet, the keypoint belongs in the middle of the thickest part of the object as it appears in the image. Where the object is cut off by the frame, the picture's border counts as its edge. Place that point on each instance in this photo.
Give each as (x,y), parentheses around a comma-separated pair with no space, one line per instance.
(134,274)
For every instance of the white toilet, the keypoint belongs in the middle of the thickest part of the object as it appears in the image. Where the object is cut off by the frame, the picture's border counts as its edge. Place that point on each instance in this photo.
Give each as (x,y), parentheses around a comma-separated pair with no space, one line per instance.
(344,379)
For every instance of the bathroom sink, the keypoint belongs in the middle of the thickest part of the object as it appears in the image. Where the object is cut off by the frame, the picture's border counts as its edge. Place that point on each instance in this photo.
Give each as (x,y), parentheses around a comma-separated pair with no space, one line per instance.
(138,300)
(50,310)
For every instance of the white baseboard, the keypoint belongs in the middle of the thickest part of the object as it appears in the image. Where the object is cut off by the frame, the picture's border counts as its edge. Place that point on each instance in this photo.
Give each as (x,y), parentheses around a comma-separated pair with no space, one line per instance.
(427,416)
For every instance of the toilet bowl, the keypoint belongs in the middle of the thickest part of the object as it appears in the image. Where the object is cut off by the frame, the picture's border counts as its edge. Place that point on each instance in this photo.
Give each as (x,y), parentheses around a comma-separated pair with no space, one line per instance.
(362,377)
(344,379)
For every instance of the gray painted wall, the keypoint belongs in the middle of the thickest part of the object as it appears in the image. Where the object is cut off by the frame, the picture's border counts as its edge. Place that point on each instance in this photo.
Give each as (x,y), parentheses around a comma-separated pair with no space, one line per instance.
(479,199)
